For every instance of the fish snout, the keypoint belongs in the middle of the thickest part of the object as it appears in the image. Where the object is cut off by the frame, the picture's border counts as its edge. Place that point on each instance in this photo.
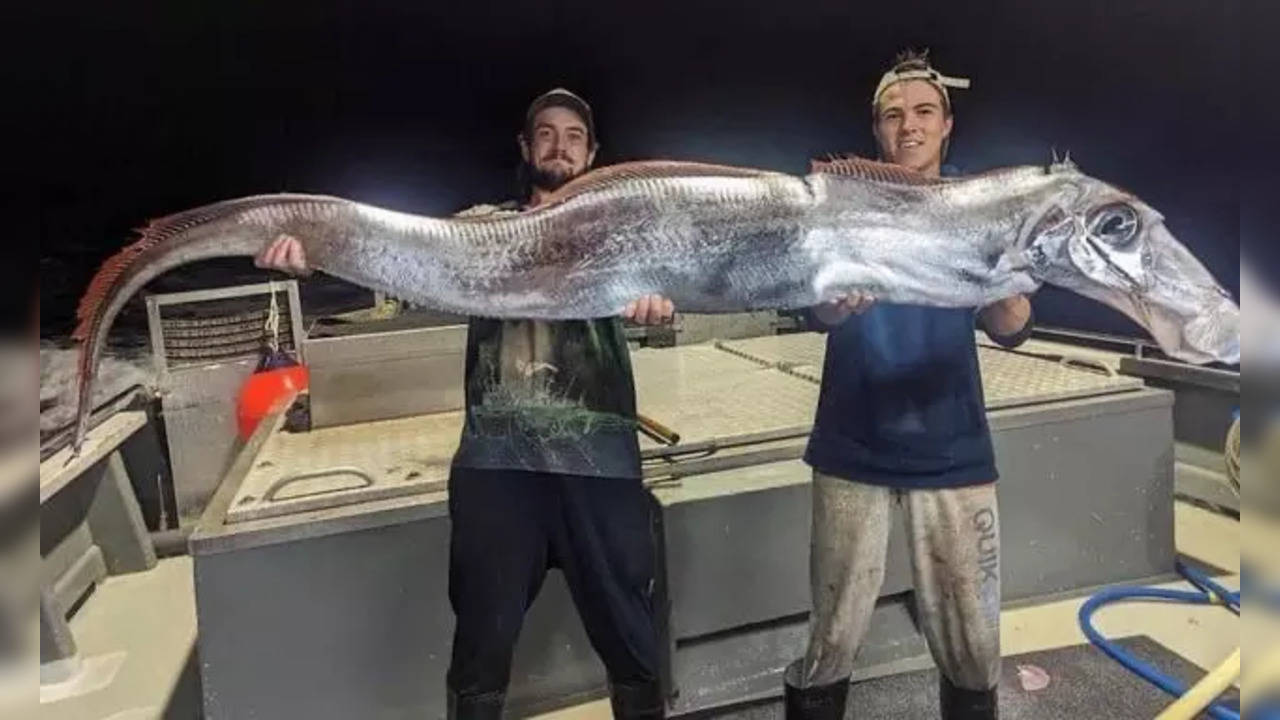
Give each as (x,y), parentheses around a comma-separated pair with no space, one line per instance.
(1196,327)
(1192,314)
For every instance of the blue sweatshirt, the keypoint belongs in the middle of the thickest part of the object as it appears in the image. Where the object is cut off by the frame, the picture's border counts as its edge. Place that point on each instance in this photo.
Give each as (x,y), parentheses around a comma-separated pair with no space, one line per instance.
(901,402)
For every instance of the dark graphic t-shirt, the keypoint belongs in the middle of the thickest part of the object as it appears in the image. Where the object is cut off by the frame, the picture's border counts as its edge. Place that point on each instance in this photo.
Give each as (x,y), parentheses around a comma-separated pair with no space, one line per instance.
(552,396)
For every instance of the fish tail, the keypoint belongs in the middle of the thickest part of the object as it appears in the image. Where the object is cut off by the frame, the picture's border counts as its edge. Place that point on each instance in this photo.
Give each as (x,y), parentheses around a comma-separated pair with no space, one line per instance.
(161,245)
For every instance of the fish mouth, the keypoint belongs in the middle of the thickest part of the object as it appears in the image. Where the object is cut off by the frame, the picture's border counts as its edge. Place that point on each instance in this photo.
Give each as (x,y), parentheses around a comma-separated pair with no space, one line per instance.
(1222,340)
(1210,334)
(1173,296)
(1198,325)
(1191,313)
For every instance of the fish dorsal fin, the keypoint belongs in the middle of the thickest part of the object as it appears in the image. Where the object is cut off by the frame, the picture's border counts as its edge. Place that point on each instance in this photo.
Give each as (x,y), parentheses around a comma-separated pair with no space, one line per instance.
(854,166)
(647,169)
(156,232)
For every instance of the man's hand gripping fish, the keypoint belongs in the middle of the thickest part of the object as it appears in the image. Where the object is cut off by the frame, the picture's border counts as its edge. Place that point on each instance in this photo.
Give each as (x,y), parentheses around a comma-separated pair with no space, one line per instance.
(719,239)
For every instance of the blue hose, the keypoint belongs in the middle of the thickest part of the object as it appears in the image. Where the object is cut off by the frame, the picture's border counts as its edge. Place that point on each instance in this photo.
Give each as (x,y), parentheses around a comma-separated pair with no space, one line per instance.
(1209,587)
(1209,593)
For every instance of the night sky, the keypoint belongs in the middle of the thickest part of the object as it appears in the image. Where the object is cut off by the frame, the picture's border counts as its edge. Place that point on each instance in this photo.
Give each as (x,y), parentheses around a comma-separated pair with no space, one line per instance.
(415,105)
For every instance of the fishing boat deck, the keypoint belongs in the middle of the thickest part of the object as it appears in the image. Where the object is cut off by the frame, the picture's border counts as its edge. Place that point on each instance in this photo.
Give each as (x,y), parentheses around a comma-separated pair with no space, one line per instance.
(149,622)
(733,490)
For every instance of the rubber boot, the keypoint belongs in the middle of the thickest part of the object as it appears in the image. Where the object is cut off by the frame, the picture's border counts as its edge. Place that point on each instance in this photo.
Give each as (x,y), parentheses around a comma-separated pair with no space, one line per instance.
(816,702)
(960,704)
(637,701)
(820,702)
(488,707)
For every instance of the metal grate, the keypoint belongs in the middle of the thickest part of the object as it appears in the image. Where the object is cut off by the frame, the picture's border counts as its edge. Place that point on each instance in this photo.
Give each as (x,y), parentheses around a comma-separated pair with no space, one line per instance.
(212,326)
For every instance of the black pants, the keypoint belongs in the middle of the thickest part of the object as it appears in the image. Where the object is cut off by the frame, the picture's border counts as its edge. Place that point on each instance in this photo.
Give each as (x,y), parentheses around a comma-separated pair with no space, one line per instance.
(508,528)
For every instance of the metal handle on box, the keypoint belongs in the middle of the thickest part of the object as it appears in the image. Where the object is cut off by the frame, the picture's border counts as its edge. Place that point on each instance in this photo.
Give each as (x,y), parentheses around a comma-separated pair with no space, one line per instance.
(278,485)
(1068,361)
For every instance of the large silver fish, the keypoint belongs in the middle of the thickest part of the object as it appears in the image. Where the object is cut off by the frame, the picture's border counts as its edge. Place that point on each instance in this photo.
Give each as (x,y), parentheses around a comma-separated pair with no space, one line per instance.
(723,239)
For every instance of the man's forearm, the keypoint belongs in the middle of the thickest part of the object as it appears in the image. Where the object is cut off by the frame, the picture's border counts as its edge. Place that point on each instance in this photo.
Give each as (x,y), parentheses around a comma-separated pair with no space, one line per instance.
(1008,321)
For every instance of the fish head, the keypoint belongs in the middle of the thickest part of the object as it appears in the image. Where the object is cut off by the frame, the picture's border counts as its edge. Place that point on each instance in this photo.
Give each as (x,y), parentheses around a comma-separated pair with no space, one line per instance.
(1104,243)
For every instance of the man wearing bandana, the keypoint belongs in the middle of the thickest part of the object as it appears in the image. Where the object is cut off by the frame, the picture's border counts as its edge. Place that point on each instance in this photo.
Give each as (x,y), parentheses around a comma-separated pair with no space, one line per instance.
(901,424)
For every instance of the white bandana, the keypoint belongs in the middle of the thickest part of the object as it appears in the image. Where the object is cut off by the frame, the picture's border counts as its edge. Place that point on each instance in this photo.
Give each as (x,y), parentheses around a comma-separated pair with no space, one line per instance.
(929,75)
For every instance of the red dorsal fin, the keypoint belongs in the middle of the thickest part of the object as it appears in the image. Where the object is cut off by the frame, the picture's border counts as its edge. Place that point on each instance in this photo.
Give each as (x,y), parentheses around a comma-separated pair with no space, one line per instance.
(854,166)
(156,232)
(103,280)
(648,169)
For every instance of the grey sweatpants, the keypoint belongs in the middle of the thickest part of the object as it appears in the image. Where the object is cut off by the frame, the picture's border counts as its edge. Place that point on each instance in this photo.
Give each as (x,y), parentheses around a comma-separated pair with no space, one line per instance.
(954,536)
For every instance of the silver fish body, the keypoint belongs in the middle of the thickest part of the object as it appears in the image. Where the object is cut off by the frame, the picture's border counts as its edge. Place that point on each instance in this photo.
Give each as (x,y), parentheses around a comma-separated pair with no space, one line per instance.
(711,244)
(717,239)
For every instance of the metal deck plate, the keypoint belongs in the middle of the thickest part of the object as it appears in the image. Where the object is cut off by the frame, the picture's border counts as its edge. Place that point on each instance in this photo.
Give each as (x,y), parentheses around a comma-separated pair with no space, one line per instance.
(1008,378)
(796,351)
(712,392)
(704,393)
(699,391)
(299,472)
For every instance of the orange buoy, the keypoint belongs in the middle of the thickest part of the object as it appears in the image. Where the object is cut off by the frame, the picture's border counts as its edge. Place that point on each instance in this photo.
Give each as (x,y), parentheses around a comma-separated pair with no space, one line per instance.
(277,376)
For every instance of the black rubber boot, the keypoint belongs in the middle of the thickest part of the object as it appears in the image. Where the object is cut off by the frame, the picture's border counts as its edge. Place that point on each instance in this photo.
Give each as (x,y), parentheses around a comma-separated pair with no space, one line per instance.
(820,702)
(641,701)
(487,707)
(817,702)
(960,704)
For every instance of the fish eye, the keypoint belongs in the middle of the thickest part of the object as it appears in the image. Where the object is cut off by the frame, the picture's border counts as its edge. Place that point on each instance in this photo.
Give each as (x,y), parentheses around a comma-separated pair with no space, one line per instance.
(1116,224)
